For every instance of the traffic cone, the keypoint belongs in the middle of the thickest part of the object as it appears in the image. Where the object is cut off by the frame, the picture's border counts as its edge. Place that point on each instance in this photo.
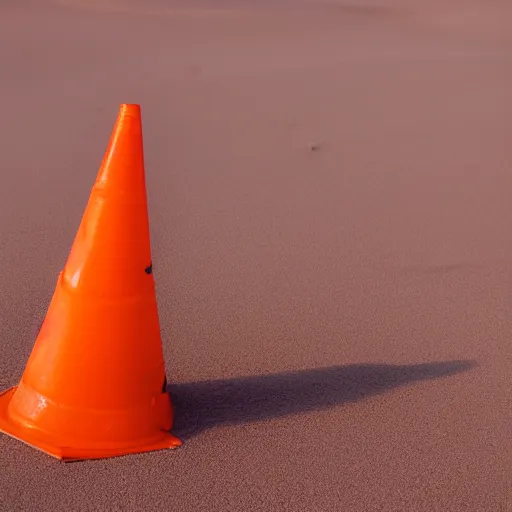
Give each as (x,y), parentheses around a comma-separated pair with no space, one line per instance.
(95,385)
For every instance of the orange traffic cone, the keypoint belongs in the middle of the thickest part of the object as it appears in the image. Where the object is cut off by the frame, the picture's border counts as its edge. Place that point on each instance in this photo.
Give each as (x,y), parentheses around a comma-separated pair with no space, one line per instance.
(94,385)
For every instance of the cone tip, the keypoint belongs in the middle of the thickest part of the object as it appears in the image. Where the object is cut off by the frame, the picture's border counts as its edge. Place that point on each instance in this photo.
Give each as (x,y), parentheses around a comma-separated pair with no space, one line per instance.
(129,109)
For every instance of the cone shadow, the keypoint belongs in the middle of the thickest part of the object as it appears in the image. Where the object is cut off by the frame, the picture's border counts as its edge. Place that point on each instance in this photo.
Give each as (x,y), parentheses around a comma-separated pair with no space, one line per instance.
(203,405)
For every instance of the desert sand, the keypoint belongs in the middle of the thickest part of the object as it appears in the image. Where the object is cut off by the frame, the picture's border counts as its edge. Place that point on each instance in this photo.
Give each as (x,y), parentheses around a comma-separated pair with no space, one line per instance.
(329,185)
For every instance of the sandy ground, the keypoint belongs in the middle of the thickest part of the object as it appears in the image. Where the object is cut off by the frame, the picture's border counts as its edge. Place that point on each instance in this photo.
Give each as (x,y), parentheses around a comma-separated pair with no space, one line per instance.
(336,322)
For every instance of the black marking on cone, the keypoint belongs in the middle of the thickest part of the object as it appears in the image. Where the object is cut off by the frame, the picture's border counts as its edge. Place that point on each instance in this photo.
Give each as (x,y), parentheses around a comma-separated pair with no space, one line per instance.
(149,270)
(164,387)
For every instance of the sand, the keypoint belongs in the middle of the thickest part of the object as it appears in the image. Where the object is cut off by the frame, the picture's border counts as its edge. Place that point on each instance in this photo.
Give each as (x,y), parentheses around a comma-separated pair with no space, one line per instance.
(329,187)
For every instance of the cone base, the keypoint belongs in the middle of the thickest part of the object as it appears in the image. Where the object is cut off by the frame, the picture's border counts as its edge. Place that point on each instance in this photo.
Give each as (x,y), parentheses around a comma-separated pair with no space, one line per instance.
(49,445)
